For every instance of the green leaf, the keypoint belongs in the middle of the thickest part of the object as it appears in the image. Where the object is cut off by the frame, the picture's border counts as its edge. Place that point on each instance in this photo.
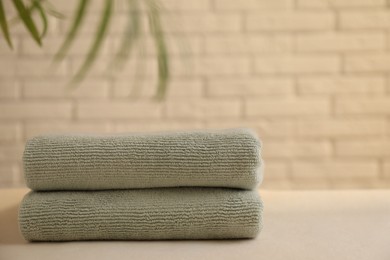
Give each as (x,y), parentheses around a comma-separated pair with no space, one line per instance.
(94,50)
(37,5)
(162,53)
(130,36)
(51,10)
(4,26)
(73,30)
(25,15)
(16,19)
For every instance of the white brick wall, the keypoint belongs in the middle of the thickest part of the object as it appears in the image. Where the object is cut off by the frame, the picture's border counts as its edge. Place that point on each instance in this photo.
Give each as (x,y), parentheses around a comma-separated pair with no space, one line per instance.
(341,84)
(203,109)
(293,21)
(297,64)
(118,110)
(29,110)
(365,19)
(340,41)
(310,76)
(287,107)
(286,149)
(335,170)
(341,3)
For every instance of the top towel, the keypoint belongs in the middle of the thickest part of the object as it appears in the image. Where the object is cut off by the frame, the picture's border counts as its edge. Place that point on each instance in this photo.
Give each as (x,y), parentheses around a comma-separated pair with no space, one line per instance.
(223,158)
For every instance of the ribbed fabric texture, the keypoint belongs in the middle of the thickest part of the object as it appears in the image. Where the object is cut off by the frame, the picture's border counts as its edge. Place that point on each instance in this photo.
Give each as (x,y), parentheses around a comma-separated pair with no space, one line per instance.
(224,158)
(182,185)
(147,214)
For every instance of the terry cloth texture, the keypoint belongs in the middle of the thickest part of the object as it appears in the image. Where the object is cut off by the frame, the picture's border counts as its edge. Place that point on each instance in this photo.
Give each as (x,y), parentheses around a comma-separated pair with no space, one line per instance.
(142,214)
(223,158)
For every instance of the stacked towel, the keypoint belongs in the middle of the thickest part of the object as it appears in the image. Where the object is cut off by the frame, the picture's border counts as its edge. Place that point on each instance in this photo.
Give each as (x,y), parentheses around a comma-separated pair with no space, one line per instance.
(187,185)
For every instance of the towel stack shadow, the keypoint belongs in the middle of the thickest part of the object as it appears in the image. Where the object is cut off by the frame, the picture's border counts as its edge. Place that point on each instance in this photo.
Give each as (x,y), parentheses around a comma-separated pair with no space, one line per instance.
(173,185)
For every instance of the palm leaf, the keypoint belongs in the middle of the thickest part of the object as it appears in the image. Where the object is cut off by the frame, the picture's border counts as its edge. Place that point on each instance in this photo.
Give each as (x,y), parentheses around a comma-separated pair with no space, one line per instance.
(162,53)
(16,19)
(36,4)
(73,30)
(4,25)
(130,36)
(94,50)
(51,10)
(25,15)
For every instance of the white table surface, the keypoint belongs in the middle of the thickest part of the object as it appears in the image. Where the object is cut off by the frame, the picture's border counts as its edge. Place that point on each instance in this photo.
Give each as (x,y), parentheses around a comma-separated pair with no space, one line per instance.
(297,225)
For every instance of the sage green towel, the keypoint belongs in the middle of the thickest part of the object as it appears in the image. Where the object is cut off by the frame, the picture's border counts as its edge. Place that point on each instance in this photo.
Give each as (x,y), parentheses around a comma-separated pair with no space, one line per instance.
(223,158)
(142,214)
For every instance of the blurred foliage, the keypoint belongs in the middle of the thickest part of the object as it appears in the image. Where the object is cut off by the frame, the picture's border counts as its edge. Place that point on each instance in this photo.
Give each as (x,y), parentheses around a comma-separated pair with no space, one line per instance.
(131,34)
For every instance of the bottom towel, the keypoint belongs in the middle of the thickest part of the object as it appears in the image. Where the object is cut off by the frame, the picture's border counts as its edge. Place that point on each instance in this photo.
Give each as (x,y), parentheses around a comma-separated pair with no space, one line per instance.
(143,214)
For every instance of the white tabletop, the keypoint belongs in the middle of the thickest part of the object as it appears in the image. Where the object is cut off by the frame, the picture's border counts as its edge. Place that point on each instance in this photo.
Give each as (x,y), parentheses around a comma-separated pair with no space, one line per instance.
(297,225)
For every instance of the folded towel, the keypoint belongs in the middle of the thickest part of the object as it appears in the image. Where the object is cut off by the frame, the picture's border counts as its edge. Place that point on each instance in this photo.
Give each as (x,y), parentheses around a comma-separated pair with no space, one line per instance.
(141,214)
(224,158)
